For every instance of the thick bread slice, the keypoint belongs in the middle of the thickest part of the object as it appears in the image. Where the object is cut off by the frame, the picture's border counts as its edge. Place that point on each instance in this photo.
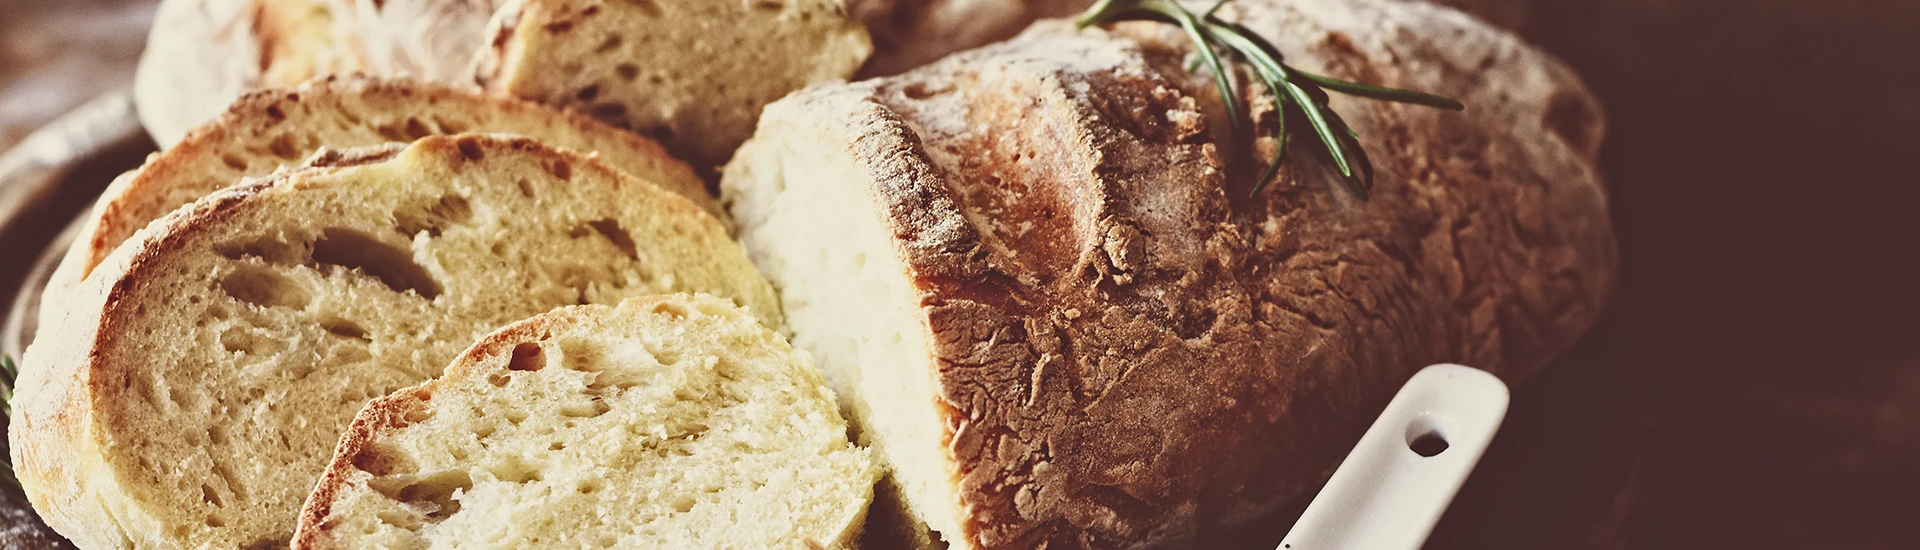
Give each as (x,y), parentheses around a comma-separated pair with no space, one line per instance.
(202,54)
(694,73)
(1062,320)
(268,129)
(195,390)
(668,422)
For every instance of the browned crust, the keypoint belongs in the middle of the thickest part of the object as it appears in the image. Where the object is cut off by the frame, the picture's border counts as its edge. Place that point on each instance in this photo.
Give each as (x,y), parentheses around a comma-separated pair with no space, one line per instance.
(50,436)
(1173,356)
(386,415)
(255,113)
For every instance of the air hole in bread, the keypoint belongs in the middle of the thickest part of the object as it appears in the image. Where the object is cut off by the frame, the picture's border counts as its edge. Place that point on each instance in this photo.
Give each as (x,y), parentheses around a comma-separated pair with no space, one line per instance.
(627,71)
(560,168)
(592,409)
(374,461)
(671,310)
(683,504)
(499,379)
(436,494)
(215,521)
(470,149)
(769,5)
(344,328)
(417,129)
(435,215)
(612,41)
(234,161)
(513,470)
(587,93)
(283,147)
(526,187)
(232,483)
(262,286)
(608,111)
(616,234)
(515,416)
(391,265)
(588,487)
(418,414)
(210,496)
(527,356)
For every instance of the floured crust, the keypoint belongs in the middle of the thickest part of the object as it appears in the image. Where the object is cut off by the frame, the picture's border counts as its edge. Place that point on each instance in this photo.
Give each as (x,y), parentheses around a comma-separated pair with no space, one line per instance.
(91,376)
(1134,352)
(202,54)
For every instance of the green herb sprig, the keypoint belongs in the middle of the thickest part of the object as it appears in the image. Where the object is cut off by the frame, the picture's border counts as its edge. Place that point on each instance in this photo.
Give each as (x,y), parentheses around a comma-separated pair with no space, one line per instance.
(1298,93)
(9,372)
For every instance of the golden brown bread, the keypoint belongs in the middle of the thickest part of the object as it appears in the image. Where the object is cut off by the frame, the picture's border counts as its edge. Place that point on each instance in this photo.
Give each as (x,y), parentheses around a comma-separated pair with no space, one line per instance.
(198,382)
(1112,344)
(670,421)
(266,130)
(203,54)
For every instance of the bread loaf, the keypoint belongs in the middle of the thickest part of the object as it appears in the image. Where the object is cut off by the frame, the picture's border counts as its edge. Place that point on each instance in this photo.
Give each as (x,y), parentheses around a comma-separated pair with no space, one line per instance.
(194,390)
(1051,306)
(269,129)
(692,73)
(203,54)
(668,422)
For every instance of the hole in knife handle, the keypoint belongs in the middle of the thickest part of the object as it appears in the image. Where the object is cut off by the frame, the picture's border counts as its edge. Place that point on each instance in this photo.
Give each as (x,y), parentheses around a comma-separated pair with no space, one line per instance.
(1425,438)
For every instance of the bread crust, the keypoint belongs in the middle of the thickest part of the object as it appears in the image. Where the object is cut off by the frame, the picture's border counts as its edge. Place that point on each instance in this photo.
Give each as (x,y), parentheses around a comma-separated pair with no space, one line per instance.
(202,54)
(1133,352)
(81,374)
(176,177)
(388,414)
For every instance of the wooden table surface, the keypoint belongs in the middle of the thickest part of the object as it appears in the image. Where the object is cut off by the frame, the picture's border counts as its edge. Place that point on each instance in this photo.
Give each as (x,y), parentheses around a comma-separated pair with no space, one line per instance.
(1756,383)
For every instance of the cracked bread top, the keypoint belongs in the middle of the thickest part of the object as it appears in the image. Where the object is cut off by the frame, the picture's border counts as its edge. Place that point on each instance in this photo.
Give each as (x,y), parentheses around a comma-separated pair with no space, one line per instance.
(1131,349)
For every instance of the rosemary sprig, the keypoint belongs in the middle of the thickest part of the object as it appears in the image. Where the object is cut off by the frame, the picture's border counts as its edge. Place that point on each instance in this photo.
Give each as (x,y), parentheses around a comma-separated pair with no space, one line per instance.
(9,372)
(1298,93)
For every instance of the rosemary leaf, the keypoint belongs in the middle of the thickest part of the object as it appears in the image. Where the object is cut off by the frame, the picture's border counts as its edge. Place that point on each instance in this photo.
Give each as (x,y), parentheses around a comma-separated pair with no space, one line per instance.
(1293,91)
(1381,93)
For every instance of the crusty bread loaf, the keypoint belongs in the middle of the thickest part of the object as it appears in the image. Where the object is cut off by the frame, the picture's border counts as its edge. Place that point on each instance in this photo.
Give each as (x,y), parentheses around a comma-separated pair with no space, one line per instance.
(269,129)
(668,422)
(196,386)
(203,54)
(693,73)
(1056,312)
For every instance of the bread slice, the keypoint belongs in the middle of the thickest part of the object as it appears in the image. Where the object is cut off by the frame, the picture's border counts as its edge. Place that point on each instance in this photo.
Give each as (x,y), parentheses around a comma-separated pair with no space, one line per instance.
(268,129)
(670,421)
(203,54)
(194,392)
(693,73)
(1051,305)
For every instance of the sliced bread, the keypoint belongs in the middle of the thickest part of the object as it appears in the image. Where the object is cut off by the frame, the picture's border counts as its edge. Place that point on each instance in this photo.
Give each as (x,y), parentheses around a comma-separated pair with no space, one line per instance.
(672,421)
(195,390)
(268,129)
(693,73)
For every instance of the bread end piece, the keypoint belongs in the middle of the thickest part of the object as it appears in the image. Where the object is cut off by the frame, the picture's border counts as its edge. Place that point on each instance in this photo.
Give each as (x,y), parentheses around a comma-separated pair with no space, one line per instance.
(672,421)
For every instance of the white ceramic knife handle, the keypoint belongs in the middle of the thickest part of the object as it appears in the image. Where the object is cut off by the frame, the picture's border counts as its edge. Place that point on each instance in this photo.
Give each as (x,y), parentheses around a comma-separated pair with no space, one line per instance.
(1386,495)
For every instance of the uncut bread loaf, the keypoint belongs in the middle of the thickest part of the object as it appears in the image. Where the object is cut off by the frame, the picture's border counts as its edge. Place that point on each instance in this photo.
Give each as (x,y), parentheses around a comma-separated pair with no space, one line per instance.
(269,129)
(203,54)
(1053,309)
(194,391)
(670,421)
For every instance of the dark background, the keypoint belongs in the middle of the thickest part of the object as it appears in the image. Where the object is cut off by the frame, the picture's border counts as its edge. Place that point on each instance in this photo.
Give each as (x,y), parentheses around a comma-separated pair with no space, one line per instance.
(1756,383)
